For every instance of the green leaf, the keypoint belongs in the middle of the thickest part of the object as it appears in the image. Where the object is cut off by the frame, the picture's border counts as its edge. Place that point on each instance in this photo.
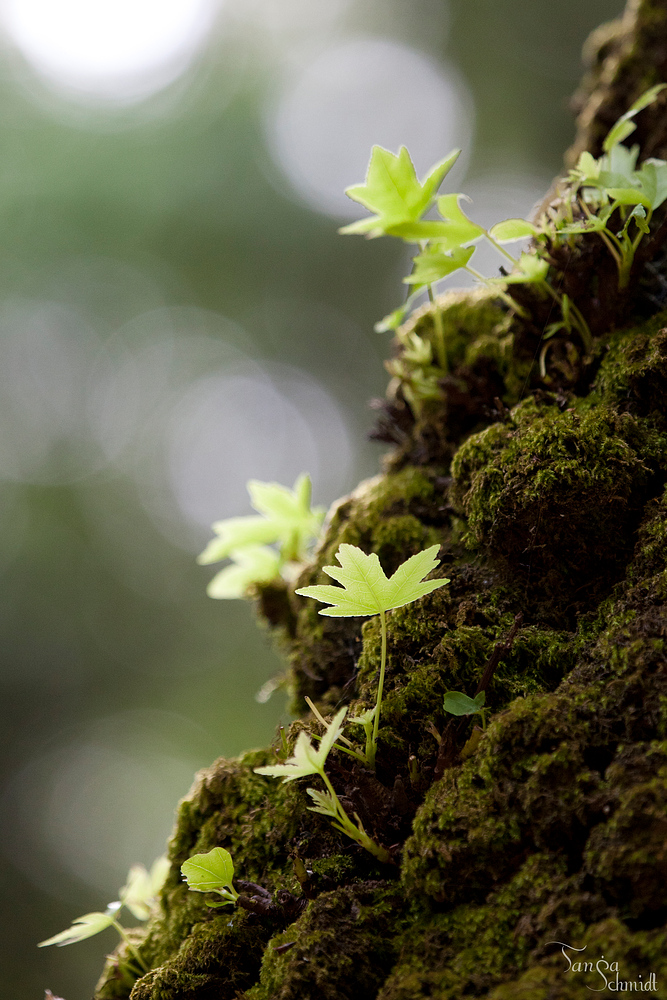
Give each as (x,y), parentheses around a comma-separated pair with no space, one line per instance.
(624,126)
(653,178)
(285,517)
(531,270)
(512,229)
(307,759)
(365,718)
(324,803)
(392,320)
(460,229)
(418,232)
(594,225)
(82,928)
(432,264)
(365,588)
(638,213)
(209,872)
(254,564)
(141,888)
(587,170)
(629,196)
(457,703)
(393,192)
(620,131)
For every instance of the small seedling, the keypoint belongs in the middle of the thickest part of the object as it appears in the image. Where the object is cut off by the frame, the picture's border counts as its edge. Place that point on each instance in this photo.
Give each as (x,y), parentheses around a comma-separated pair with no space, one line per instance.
(285,519)
(366,591)
(308,759)
(599,188)
(598,196)
(445,246)
(457,703)
(138,895)
(212,872)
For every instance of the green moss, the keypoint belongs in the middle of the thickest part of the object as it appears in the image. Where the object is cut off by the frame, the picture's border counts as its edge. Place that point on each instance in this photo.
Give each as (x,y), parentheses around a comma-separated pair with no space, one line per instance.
(468,949)
(340,950)
(474,323)
(638,954)
(555,828)
(554,496)
(219,958)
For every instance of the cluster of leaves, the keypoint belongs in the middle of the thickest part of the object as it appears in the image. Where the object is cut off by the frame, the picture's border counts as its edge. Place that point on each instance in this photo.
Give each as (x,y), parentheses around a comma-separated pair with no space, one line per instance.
(597,194)
(262,546)
(138,895)
(609,190)
(310,760)
(212,872)
(399,201)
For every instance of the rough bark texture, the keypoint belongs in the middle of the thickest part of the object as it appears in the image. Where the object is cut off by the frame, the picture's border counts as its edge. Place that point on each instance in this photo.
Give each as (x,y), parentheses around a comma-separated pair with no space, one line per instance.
(548,499)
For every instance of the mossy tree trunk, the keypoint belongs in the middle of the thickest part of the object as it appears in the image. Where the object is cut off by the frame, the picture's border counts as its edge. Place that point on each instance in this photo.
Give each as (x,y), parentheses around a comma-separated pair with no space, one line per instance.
(547,497)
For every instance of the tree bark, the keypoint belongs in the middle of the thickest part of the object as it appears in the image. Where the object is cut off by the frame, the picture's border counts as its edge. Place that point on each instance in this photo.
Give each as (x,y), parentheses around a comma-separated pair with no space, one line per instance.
(547,496)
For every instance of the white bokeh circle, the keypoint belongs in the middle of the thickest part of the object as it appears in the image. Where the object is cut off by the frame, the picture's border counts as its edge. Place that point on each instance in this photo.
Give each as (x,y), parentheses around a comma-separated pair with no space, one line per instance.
(356,94)
(117,51)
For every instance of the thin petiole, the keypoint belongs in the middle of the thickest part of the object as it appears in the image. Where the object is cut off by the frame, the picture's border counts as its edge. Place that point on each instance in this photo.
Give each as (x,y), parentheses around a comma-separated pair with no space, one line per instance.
(383,663)
(130,947)
(501,249)
(440,349)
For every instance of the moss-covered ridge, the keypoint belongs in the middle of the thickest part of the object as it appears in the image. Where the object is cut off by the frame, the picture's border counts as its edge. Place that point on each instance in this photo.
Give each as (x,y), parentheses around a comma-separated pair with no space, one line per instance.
(555,829)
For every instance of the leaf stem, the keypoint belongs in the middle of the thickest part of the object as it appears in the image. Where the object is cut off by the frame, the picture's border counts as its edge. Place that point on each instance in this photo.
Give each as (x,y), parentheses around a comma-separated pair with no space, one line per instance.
(440,349)
(356,833)
(130,947)
(500,249)
(383,664)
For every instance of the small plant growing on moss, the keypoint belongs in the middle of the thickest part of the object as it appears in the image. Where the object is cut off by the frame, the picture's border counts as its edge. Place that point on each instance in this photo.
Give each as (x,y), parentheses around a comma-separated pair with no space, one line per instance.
(598,188)
(457,703)
(366,591)
(138,895)
(307,760)
(212,872)
(400,201)
(607,196)
(285,519)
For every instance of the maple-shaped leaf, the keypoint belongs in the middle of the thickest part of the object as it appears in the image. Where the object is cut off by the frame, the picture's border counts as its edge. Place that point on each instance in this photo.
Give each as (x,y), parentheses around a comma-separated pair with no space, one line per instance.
(82,928)
(393,191)
(140,891)
(531,269)
(253,564)
(365,588)
(284,517)
(432,264)
(307,759)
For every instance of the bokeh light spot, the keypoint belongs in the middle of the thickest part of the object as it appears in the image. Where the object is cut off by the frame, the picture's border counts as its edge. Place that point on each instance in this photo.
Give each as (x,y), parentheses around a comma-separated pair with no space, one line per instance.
(361,92)
(114,50)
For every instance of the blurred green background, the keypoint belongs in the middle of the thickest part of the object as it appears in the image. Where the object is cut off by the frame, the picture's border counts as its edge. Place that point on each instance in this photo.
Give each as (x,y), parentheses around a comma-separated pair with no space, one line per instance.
(177,315)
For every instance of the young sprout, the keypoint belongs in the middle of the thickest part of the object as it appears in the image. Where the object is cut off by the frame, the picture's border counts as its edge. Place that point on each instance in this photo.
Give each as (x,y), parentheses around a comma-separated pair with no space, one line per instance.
(457,703)
(599,188)
(393,191)
(308,760)
(285,519)
(139,895)
(212,872)
(366,591)
(610,195)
